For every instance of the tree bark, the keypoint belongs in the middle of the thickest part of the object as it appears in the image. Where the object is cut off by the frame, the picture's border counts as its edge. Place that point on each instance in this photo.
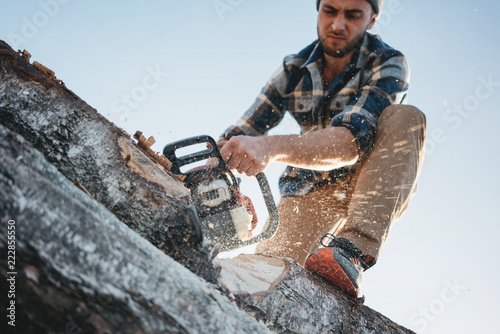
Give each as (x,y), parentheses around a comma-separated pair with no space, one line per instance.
(99,157)
(80,270)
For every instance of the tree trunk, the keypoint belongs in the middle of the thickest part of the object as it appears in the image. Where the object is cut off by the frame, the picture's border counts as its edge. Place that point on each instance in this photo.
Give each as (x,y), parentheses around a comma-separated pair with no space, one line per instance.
(78,269)
(100,157)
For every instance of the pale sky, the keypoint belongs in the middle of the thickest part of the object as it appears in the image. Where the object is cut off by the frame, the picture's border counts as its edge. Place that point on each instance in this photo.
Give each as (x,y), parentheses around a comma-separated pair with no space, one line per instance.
(175,69)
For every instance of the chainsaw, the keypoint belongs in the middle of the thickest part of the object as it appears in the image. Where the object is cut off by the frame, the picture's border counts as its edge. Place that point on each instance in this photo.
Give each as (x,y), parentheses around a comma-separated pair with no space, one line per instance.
(225,217)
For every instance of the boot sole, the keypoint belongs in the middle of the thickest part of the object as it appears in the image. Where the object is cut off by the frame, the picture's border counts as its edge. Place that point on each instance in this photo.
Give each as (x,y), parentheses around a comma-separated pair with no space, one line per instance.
(323,264)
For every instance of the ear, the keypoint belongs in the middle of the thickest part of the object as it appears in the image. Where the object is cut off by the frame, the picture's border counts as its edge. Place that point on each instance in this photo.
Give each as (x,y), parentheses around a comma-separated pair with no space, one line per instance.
(372,21)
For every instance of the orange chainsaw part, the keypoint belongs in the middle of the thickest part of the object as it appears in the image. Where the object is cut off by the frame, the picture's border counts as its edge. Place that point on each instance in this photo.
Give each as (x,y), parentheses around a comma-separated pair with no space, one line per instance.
(247,204)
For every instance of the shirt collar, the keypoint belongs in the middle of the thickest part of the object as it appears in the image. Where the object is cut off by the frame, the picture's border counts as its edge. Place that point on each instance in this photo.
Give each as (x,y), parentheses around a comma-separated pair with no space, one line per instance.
(363,52)
(316,56)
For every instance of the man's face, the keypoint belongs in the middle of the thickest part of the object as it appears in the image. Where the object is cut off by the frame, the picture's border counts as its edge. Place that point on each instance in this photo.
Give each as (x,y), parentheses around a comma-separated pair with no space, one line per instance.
(342,25)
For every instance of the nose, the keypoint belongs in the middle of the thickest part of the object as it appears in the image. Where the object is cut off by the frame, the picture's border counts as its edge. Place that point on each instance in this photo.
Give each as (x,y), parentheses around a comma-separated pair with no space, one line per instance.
(338,23)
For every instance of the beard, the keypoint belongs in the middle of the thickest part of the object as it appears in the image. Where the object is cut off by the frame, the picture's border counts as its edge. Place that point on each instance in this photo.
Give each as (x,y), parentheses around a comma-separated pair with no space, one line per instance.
(341,53)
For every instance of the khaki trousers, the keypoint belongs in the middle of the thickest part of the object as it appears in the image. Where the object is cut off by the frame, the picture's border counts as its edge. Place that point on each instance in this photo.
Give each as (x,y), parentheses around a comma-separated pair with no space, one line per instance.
(363,206)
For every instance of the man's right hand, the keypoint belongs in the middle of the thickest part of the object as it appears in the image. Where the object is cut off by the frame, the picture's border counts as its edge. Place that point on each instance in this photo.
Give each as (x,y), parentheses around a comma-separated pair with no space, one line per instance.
(246,154)
(215,161)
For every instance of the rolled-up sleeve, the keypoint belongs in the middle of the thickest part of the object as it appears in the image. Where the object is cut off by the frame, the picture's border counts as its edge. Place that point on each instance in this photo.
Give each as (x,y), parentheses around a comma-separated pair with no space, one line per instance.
(387,82)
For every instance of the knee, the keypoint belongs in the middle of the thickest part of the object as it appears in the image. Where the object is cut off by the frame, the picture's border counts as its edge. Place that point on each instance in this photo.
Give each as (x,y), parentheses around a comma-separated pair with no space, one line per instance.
(406,113)
(404,116)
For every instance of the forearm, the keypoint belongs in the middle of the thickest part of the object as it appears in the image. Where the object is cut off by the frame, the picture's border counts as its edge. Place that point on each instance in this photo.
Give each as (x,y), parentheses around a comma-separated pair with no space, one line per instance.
(322,150)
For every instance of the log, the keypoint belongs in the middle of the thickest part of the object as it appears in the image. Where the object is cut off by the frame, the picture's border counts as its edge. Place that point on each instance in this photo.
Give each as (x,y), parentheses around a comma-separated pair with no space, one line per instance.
(81,270)
(290,299)
(100,158)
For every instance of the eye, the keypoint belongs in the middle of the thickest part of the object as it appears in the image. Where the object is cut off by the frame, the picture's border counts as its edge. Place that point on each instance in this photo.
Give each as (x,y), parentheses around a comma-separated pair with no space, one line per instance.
(329,10)
(353,15)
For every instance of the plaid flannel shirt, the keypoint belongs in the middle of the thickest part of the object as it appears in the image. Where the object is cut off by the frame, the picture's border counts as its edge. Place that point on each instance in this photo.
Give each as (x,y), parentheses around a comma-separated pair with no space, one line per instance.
(377,77)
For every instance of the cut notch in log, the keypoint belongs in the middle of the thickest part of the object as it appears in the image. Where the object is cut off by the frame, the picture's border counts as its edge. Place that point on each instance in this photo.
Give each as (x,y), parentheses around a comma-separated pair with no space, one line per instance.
(145,145)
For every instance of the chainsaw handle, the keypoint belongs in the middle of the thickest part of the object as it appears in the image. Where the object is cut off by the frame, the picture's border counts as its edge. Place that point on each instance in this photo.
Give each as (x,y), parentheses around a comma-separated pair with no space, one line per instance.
(178,162)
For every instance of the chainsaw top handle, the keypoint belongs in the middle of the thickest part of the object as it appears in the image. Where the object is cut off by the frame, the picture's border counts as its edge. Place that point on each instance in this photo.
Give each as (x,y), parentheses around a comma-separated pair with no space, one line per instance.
(178,162)
(212,151)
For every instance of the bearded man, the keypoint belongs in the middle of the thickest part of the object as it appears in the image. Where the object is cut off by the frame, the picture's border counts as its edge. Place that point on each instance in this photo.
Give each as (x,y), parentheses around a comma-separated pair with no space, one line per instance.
(354,166)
